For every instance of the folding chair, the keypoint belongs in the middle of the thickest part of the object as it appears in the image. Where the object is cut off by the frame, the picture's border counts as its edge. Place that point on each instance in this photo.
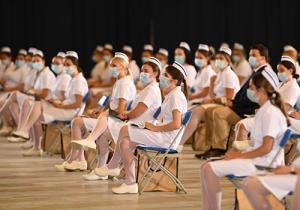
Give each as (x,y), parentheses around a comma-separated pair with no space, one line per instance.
(63,126)
(236,180)
(162,153)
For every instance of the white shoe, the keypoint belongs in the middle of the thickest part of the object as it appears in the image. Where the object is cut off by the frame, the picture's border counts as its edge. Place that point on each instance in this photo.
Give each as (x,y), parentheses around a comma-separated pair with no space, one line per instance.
(12,139)
(92,176)
(5,131)
(126,189)
(179,148)
(27,145)
(33,152)
(104,171)
(85,143)
(60,167)
(76,165)
(22,134)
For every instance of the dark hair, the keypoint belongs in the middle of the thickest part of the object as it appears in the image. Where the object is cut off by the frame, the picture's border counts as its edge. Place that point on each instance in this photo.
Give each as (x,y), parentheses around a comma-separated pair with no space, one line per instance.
(290,65)
(155,68)
(227,57)
(6,53)
(73,59)
(263,50)
(187,55)
(149,51)
(260,81)
(176,74)
(129,54)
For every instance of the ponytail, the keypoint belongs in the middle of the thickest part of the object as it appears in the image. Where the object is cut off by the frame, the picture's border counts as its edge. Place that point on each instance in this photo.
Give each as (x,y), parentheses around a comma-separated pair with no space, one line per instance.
(276,100)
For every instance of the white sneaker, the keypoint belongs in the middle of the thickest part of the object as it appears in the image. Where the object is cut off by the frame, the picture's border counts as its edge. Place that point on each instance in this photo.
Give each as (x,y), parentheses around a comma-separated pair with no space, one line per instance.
(22,134)
(5,131)
(13,139)
(179,148)
(76,165)
(60,167)
(92,176)
(33,152)
(104,171)
(126,189)
(85,143)
(27,145)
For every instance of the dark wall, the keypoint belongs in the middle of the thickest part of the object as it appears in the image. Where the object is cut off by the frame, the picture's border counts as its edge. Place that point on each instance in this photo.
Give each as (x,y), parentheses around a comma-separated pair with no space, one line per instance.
(53,25)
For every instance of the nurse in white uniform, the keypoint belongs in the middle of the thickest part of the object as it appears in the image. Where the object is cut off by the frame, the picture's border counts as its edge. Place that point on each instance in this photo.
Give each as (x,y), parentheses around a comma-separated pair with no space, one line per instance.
(182,56)
(163,56)
(285,179)
(147,53)
(223,88)
(240,64)
(144,106)
(6,62)
(160,134)
(270,124)
(97,57)
(123,92)
(200,89)
(49,111)
(133,67)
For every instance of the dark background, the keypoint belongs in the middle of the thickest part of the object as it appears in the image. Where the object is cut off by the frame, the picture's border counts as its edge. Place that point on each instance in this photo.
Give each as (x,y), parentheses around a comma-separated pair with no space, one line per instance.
(55,25)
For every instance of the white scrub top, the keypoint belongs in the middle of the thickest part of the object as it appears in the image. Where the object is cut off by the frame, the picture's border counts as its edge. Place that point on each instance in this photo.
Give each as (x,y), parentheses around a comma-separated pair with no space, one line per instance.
(203,78)
(13,76)
(62,83)
(191,74)
(97,69)
(45,80)
(226,79)
(3,69)
(289,92)
(243,69)
(269,121)
(175,100)
(134,69)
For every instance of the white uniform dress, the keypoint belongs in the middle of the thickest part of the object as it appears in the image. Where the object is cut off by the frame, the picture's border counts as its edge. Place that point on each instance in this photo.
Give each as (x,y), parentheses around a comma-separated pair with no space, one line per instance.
(203,80)
(61,84)
(175,100)
(78,86)
(44,80)
(135,70)
(124,88)
(97,69)
(269,121)
(243,69)
(105,77)
(191,74)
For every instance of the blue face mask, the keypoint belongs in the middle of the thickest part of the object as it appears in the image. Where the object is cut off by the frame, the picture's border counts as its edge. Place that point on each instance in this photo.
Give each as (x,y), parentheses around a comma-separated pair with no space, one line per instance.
(37,66)
(5,62)
(236,58)
(145,78)
(68,70)
(145,59)
(283,77)
(200,62)
(180,59)
(106,58)
(251,96)
(113,72)
(253,62)
(29,65)
(19,63)
(220,64)
(56,68)
(163,82)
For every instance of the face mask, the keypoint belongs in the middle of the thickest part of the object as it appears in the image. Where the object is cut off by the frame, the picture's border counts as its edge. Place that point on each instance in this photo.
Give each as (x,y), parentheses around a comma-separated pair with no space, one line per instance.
(145,59)
(5,62)
(180,59)
(283,77)
(29,65)
(145,78)
(56,68)
(113,72)
(236,58)
(19,63)
(200,62)
(220,64)
(37,66)
(251,96)
(68,70)
(94,58)
(163,82)
(253,62)
(106,58)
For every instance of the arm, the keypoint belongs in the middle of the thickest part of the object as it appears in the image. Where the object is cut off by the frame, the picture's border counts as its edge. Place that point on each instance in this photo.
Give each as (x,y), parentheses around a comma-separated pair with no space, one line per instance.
(75,105)
(122,106)
(204,92)
(17,87)
(62,96)
(241,79)
(137,111)
(173,125)
(42,94)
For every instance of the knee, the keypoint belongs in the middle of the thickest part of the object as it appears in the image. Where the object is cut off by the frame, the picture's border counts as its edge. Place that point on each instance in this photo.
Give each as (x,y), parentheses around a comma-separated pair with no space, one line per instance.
(250,183)
(77,122)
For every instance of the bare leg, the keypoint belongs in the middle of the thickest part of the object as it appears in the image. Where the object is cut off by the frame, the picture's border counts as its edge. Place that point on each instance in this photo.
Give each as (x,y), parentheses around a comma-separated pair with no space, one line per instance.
(34,115)
(100,127)
(256,194)
(76,134)
(212,190)
(103,148)
(296,200)
(197,117)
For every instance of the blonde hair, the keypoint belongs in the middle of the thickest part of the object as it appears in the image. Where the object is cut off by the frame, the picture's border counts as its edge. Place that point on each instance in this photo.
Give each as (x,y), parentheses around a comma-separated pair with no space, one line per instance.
(123,63)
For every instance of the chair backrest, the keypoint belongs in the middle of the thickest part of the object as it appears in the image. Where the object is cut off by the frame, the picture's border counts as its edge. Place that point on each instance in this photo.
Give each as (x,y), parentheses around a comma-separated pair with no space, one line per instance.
(129,105)
(84,102)
(157,113)
(186,118)
(103,102)
(86,97)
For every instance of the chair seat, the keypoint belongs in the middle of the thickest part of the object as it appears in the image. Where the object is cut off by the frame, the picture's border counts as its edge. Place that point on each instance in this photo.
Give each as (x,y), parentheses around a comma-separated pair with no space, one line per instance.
(231,176)
(66,123)
(157,149)
(295,136)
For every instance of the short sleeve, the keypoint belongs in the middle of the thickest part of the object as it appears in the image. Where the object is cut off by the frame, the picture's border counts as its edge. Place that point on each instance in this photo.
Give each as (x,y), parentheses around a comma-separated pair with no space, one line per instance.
(228,80)
(291,95)
(150,97)
(178,103)
(63,83)
(244,69)
(125,91)
(271,123)
(78,87)
(47,81)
